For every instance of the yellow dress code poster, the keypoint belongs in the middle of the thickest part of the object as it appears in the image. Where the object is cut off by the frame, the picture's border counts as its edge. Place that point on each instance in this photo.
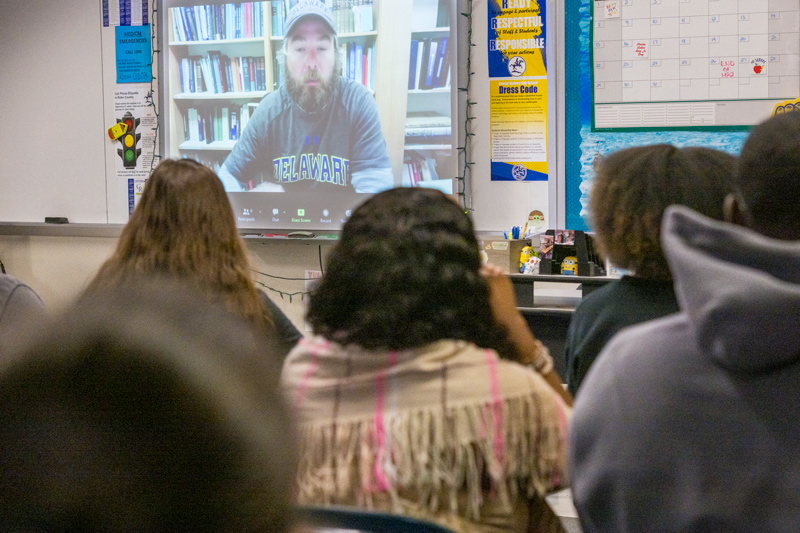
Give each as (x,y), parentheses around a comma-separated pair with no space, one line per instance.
(518,90)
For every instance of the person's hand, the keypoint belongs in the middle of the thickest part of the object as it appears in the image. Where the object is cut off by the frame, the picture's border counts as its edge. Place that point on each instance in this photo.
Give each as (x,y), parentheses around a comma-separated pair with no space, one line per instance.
(501,296)
(530,351)
(267,187)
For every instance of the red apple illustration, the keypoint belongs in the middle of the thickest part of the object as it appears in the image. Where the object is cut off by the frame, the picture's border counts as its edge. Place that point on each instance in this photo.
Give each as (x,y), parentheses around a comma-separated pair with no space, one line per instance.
(758,68)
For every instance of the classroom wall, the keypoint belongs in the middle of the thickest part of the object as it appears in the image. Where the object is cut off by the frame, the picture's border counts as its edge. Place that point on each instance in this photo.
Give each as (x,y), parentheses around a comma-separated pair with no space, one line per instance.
(59,268)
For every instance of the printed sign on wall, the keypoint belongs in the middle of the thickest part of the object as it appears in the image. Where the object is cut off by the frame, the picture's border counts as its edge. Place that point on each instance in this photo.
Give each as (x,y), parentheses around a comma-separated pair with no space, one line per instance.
(518,90)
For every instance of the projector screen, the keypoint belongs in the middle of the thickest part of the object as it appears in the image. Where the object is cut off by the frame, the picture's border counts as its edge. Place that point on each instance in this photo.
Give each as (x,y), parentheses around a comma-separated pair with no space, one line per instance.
(304,108)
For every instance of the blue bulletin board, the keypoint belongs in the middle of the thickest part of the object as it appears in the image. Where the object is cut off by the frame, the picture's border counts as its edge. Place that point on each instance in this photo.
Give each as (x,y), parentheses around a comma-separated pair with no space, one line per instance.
(582,144)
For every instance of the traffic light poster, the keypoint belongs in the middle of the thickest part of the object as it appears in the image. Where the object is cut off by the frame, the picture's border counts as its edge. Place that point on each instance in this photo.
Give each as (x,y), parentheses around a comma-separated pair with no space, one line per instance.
(135,149)
(518,90)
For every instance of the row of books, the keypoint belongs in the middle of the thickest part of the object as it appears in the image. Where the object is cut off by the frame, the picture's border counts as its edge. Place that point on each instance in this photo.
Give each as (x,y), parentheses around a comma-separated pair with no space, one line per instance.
(428,127)
(418,168)
(217,73)
(349,16)
(429,64)
(212,123)
(218,22)
(359,63)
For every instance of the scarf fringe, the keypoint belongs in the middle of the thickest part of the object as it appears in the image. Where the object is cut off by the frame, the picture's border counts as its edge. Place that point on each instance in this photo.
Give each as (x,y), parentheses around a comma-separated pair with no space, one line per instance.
(434,456)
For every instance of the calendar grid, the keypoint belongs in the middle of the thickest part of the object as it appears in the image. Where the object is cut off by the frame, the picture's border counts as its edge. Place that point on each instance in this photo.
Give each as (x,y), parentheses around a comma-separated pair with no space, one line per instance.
(689,63)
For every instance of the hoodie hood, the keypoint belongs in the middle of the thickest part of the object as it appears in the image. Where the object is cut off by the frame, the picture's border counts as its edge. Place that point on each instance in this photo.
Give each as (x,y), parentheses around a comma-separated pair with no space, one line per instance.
(740,290)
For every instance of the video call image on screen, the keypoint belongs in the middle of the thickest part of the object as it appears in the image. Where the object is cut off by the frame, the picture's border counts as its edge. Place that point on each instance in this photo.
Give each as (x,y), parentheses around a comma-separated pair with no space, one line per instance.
(305,107)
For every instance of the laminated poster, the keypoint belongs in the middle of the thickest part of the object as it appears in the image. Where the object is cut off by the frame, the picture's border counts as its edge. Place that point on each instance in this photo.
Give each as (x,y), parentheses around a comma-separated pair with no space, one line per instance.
(518,90)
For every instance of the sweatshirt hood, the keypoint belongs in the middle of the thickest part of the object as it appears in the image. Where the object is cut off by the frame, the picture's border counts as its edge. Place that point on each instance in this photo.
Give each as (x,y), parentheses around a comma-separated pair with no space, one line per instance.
(740,290)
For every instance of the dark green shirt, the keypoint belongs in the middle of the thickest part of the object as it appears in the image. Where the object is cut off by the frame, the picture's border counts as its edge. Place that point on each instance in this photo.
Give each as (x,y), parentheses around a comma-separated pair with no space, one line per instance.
(607,310)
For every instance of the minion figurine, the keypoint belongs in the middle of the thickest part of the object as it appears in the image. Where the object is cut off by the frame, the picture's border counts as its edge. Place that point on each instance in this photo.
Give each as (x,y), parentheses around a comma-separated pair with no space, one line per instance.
(525,254)
(569,266)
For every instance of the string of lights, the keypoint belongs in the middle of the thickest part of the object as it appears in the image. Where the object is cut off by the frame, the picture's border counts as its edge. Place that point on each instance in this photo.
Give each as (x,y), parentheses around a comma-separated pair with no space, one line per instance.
(284,294)
(465,151)
(151,100)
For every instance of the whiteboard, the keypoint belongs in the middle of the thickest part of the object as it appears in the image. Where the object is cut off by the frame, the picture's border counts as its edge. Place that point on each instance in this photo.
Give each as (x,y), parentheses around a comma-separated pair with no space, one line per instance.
(53,143)
(58,80)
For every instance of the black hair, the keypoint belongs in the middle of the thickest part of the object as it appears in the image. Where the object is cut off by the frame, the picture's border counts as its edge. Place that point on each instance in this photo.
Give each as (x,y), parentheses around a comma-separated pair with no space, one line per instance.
(405,273)
(768,176)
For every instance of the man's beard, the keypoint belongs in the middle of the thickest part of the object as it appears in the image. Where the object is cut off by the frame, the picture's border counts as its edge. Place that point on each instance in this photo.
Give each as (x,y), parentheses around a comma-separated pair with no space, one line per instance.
(311,98)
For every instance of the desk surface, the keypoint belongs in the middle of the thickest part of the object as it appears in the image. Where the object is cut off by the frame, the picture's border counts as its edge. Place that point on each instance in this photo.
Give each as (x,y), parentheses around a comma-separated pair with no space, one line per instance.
(524,288)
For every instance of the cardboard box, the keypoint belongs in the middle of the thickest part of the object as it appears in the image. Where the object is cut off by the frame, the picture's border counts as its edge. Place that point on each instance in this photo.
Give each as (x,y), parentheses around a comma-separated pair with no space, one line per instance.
(503,252)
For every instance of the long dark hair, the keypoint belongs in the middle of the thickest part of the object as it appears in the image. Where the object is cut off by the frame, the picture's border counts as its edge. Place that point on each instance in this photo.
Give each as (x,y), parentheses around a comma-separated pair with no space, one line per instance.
(184,227)
(404,274)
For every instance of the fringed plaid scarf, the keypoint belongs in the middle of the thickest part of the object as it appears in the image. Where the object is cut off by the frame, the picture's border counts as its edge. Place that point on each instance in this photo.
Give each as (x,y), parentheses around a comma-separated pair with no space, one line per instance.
(449,426)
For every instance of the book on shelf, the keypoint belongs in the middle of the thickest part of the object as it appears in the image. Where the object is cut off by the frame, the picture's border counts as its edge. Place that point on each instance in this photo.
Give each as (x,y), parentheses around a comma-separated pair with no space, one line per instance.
(351,61)
(412,64)
(359,64)
(422,73)
(234,124)
(430,64)
(440,60)
(371,68)
(276,9)
(246,75)
(226,123)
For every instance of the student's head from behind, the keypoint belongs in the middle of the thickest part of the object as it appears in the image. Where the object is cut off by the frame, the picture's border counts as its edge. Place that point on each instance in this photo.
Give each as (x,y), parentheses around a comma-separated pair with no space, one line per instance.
(184,227)
(183,217)
(768,179)
(634,186)
(144,409)
(311,55)
(405,273)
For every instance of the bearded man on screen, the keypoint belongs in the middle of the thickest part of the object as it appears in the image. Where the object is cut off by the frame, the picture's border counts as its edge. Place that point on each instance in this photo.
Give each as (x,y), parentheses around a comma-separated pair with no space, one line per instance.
(319,131)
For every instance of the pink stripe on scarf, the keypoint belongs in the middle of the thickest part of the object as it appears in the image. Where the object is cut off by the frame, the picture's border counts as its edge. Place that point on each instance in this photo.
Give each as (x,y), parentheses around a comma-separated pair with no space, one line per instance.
(497,406)
(312,367)
(562,419)
(380,431)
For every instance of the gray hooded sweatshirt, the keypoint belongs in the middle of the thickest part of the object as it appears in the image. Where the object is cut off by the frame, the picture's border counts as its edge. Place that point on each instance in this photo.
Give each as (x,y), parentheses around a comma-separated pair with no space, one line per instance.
(692,422)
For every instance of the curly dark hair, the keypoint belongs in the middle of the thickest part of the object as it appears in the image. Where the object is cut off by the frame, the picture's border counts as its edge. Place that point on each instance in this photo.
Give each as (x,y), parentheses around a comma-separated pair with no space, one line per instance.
(405,273)
(769,176)
(634,186)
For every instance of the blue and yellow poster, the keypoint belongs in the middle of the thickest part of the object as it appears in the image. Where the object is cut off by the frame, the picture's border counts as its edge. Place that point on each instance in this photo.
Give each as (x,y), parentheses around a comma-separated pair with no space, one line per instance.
(518,90)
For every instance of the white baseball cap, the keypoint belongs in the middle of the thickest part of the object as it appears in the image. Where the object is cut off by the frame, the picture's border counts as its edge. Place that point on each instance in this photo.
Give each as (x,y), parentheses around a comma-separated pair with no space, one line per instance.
(308,7)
